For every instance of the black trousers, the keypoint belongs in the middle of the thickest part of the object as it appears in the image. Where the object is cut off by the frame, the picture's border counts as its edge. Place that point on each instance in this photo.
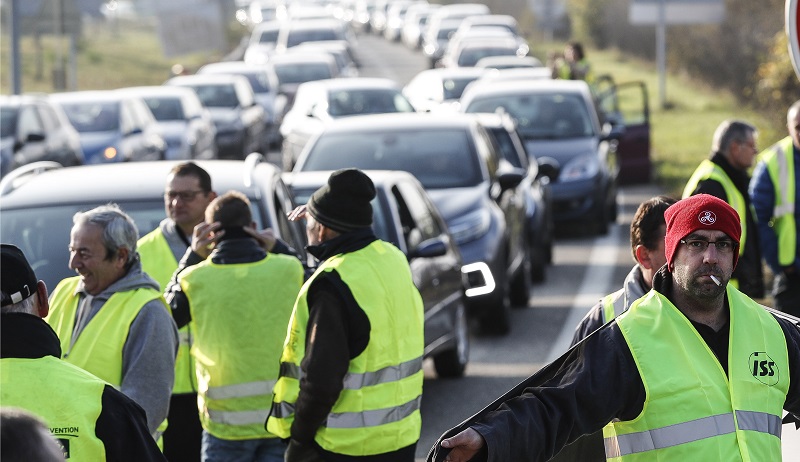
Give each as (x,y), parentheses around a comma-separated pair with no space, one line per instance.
(184,432)
(786,292)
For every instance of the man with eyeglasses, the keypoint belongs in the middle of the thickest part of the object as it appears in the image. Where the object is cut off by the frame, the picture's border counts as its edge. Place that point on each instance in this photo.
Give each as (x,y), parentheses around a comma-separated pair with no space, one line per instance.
(187,193)
(726,175)
(775,192)
(694,371)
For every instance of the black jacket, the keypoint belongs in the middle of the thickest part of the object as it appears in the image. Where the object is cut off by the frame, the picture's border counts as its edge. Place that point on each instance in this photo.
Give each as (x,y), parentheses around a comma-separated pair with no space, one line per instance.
(341,332)
(592,383)
(121,426)
(749,271)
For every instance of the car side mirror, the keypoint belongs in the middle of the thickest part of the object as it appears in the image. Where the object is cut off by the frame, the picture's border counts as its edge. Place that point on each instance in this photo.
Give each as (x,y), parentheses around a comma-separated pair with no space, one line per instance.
(548,167)
(612,131)
(510,179)
(434,247)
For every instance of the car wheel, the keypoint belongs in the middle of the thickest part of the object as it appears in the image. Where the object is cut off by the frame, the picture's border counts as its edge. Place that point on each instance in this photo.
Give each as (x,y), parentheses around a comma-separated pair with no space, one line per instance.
(452,363)
(539,255)
(496,317)
(520,286)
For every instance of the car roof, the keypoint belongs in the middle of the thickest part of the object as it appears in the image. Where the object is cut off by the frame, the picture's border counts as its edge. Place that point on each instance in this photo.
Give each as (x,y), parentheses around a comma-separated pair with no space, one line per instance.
(450,72)
(347,83)
(294,57)
(90,95)
(531,86)
(400,121)
(15,100)
(380,178)
(230,66)
(206,79)
(159,90)
(117,182)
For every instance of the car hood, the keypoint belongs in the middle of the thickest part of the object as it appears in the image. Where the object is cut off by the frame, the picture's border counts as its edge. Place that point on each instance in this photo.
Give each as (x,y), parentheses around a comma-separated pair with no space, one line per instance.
(562,150)
(171,128)
(455,202)
(223,114)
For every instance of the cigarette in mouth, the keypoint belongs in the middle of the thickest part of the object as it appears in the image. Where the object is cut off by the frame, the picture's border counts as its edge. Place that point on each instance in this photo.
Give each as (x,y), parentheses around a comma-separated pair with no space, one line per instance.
(716,281)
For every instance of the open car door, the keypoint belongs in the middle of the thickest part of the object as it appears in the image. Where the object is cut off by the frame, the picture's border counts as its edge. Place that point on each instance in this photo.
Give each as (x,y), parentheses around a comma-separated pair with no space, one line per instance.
(625,106)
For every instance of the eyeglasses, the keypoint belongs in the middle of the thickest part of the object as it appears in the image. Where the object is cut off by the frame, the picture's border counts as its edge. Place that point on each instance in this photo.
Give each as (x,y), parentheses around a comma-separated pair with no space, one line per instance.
(186,196)
(700,245)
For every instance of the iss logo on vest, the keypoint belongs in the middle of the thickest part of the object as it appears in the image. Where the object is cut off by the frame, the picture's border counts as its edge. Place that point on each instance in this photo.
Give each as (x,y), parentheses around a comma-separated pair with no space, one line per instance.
(764,368)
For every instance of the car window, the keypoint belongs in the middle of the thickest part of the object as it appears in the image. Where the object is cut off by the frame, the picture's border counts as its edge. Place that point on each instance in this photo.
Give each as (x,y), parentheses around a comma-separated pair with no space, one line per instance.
(302,72)
(293,233)
(28,123)
(43,232)
(420,211)
(217,95)
(93,116)
(541,116)
(50,120)
(443,158)
(268,36)
(360,101)
(166,108)
(454,87)
(8,120)
(508,149)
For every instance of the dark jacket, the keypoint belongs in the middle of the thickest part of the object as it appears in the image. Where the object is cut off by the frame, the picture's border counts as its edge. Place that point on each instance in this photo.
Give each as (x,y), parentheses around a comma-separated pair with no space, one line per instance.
(591,384)
(748,272)
(121,426)
(340,333)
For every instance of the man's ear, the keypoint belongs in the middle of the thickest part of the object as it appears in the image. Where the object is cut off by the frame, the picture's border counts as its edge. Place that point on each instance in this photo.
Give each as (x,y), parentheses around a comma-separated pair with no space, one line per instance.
(122,256)
(43,302)
(643,257)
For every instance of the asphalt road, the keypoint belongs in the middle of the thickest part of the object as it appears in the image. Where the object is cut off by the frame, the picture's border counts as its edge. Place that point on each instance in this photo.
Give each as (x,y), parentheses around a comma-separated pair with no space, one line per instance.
(584,269)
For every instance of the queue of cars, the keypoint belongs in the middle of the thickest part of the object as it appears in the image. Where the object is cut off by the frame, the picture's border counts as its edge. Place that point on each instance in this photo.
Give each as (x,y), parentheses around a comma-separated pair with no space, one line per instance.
(471,178)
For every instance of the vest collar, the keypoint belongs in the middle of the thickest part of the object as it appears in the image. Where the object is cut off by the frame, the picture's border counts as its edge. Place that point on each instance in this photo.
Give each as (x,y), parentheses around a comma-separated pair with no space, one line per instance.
(27,336)
(344,243)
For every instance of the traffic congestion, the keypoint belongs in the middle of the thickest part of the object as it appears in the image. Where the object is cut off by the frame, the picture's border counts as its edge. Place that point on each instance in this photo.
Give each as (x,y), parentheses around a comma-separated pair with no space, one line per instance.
(384,230)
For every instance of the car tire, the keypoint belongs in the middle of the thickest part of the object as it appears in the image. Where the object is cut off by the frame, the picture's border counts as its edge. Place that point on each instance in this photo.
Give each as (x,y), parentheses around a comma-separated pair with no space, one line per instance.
(453,362)
(520,287)
(496,319)
(539,256)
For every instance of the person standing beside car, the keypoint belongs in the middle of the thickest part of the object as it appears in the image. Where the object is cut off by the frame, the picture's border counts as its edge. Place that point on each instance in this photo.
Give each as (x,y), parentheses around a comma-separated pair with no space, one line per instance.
(775,192)
(187,193)
(238,299)
(112,319)
(351,370)
(726,175)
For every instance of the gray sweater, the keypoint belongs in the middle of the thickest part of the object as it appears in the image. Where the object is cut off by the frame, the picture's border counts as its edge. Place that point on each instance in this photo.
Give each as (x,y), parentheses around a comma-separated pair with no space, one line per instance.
(148,356)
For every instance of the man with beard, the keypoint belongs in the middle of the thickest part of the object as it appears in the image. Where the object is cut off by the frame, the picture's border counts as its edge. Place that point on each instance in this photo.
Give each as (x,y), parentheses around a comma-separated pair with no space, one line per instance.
(695,370)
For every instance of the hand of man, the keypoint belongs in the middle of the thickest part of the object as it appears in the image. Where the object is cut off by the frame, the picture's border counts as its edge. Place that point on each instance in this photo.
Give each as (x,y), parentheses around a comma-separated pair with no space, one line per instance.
(298,452)
(463,446)
(297,214)
(204,238)
(266,237)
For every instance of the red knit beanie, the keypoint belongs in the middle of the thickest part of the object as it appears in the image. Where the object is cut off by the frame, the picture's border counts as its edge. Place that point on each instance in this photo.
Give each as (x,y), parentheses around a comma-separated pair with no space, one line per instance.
(702,211)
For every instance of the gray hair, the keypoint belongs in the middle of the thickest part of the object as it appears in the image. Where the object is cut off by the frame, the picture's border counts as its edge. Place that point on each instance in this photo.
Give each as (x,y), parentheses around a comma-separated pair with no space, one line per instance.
(24,306)
(731,131)
(119,230)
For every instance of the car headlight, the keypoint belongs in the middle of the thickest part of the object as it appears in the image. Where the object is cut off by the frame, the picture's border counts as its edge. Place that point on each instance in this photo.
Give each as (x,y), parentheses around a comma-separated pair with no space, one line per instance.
(580,167)
(471,226)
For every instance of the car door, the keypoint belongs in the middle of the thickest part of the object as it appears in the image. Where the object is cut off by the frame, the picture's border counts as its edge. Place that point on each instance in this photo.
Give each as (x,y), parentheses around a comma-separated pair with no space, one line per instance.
(437,278)
(30,140)
(626,106)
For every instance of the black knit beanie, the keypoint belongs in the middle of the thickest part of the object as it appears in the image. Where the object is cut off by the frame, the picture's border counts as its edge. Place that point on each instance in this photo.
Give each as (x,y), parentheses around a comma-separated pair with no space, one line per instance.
(344,203)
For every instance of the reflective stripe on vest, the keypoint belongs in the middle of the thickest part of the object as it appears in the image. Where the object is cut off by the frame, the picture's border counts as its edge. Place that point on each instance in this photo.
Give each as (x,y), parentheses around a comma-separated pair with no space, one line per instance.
(240,313)
(780,166)
(708,170)
(687,432)
(378,408)
(66,397)
(159,262)
(687,411)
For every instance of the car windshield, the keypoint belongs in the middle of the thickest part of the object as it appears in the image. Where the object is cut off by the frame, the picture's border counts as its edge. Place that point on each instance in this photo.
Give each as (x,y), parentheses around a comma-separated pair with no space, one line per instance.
(541,116)
(469,57)
(258,81)
(93,116)
(312,35)
(442,158)
(43,232)
(217,95)
(454,87)
(268,36)
(8,121)
(302,72)
(166,108)
(351,102)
